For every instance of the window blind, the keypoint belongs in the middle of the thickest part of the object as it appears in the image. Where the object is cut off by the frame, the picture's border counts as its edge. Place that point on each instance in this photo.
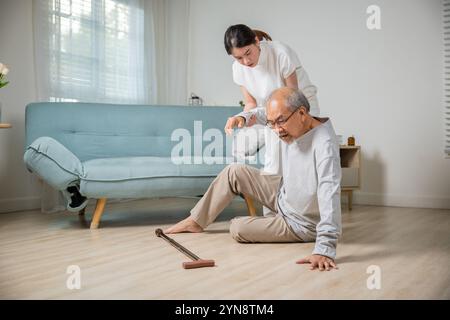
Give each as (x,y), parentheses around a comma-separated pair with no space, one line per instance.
(446,37)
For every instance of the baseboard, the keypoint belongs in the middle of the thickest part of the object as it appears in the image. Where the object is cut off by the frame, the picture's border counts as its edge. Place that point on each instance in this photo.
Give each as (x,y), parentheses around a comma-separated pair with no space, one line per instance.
(20,204)
(34,203)
(376,199)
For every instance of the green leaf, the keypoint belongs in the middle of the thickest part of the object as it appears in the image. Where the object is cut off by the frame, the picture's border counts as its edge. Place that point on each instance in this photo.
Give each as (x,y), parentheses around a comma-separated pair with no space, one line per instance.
(3,84)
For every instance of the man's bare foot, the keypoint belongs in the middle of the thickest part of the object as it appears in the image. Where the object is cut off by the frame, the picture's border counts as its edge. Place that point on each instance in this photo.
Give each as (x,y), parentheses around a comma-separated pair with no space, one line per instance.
(186,225)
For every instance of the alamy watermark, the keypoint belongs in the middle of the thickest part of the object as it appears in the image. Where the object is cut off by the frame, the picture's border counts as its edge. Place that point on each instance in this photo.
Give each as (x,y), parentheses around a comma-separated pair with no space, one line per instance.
(373,282)
(373,21)
(213,146)
(74,279)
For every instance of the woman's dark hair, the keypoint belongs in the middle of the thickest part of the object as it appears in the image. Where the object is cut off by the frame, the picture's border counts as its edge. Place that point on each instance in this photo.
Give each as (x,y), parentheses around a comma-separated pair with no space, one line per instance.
(262,35)
(240,35)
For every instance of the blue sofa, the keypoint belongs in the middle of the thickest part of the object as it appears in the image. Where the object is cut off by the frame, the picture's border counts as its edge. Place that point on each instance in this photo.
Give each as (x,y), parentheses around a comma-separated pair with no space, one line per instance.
(127,151)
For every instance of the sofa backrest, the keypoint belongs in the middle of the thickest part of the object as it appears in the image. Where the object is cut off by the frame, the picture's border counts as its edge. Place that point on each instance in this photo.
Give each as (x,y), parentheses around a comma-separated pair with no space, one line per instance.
(94,130)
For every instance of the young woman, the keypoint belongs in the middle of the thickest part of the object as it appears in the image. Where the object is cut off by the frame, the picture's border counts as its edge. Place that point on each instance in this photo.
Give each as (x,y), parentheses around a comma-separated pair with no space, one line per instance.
(261,66)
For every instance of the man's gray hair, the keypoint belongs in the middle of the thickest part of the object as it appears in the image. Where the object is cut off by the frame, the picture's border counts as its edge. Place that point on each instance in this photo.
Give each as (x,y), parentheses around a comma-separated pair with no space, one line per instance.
(294,100)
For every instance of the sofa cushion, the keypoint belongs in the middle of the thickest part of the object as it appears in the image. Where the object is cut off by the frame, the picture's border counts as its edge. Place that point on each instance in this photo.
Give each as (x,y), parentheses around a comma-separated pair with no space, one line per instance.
(131,168)
(96,130)
(141,177)
(146,188)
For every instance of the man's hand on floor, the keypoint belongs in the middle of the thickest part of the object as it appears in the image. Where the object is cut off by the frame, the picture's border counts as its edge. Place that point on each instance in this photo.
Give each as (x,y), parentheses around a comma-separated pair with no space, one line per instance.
(318,261)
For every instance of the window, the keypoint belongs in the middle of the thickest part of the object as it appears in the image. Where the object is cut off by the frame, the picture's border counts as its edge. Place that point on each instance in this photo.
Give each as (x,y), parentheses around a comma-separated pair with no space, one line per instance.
(92,51)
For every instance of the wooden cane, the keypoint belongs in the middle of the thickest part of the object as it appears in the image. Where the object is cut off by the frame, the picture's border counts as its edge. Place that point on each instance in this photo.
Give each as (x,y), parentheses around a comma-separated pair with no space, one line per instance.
(196,261)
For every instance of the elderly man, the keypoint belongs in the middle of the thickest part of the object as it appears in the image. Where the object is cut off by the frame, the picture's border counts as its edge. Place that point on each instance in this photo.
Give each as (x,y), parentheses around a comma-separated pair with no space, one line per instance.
(306,198)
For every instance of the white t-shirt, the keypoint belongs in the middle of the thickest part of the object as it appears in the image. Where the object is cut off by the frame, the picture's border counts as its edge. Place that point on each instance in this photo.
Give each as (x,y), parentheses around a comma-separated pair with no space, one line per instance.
(276,63)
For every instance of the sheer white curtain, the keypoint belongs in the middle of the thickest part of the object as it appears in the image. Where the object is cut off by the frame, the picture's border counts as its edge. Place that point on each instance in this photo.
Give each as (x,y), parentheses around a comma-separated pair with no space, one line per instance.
(110,51)
(171,28)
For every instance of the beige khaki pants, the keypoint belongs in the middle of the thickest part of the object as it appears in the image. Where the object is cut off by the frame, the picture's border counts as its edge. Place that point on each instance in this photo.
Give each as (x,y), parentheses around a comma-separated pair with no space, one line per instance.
(238,179)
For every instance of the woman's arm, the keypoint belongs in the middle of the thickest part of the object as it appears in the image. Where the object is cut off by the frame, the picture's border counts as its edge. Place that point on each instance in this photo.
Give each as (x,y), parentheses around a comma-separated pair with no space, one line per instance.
(250,102)
(292,81)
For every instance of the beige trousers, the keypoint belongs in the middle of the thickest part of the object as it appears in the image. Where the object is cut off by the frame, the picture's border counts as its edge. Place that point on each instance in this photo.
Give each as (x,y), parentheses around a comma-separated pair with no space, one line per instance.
(238,179)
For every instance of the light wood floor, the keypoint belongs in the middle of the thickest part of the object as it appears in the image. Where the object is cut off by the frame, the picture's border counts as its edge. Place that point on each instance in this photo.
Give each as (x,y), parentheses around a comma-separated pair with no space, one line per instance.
(125,260)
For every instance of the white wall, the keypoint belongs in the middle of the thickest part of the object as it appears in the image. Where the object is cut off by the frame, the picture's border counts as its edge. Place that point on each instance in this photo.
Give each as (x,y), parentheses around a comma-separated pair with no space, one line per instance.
(17,190)
(384,86)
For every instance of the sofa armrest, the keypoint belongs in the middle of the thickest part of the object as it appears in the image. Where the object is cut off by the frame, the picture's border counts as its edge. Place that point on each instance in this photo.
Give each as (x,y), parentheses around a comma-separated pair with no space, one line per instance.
(53,162)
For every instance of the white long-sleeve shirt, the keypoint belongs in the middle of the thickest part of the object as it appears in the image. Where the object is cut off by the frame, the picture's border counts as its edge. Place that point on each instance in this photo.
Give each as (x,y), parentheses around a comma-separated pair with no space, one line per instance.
(309,194)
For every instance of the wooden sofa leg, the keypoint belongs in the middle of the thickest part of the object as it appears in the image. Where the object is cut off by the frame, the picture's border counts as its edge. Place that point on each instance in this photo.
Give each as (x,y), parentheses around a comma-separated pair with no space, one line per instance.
(98,213)
(350,200)
(250,205)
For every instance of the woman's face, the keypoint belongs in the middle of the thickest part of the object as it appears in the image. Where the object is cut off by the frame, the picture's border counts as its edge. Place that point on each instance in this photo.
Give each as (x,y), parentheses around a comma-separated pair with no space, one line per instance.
(248,55)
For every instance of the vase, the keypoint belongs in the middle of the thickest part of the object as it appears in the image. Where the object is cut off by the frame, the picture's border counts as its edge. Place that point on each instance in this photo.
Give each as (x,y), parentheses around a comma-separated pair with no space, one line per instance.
(0,112)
